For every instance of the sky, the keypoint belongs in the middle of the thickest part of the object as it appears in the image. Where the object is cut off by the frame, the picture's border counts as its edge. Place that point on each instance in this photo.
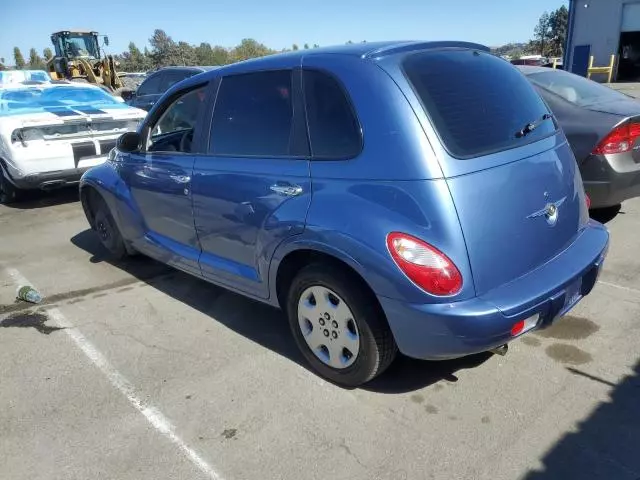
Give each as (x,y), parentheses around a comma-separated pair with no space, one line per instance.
(276,23)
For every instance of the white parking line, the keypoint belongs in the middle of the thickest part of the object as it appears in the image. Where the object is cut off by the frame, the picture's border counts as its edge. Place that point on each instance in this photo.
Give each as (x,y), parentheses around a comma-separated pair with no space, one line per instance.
(154,416)
(628,289)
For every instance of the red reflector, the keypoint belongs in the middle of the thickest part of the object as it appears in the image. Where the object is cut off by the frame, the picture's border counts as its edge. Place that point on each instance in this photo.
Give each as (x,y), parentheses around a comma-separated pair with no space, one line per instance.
(619,140)
(424,264)
(587,200)
(517,328)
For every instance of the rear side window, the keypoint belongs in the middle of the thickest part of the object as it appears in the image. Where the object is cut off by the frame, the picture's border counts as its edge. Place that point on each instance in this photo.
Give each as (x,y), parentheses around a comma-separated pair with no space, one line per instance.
(253,115)
(478,103)
(150,86)
(333,128)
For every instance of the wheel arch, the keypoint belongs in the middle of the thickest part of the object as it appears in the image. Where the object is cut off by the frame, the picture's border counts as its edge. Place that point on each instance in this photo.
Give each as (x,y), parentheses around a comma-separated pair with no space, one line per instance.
(292,258)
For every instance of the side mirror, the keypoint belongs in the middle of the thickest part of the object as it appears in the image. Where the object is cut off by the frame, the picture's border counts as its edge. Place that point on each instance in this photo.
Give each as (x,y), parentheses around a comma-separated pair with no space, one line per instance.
(106,40)
(128,142)
(127,95)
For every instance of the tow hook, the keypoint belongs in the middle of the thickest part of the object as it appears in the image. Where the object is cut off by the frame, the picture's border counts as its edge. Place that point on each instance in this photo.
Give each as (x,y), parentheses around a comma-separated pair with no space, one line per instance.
(501,350)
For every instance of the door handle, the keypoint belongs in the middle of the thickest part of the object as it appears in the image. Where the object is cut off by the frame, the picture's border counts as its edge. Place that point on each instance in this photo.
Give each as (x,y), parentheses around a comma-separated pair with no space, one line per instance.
(286,189)
(180,178)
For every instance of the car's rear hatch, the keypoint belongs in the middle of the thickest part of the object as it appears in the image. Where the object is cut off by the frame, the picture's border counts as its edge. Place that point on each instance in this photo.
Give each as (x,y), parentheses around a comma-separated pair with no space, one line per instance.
(511,174)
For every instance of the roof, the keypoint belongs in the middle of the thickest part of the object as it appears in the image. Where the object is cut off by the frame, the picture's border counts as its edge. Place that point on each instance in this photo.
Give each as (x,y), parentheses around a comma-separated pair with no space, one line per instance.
(198,68)
(73,31)
(360,50)
(375,49)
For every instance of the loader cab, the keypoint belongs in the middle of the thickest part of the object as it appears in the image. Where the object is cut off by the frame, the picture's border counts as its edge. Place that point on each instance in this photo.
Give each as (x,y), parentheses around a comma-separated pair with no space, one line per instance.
(77,44)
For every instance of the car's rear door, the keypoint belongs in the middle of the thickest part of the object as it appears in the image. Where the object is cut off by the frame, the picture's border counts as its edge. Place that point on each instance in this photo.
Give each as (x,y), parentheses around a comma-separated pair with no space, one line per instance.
(252,189)
(512,176)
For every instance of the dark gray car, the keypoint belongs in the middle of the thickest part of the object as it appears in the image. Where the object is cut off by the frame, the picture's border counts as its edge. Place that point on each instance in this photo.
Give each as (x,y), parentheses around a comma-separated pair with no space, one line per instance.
(603,129)
(158,82)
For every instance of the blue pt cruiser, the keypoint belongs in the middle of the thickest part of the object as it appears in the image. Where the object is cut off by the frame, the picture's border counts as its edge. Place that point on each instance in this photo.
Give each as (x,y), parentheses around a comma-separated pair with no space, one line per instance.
(408,196)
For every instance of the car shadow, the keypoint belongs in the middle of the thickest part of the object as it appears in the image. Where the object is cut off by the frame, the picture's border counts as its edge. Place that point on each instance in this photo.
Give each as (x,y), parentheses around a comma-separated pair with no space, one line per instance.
(605,444)
(262,324)
(34,199)
(605,215)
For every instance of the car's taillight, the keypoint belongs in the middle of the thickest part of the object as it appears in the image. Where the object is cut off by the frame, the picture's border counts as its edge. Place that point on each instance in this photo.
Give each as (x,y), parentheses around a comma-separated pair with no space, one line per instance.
(619,140)
(587,200)
(424,264)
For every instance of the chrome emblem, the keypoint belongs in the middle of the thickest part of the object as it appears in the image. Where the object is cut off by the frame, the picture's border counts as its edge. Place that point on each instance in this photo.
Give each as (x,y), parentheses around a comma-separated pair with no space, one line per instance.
(550,212)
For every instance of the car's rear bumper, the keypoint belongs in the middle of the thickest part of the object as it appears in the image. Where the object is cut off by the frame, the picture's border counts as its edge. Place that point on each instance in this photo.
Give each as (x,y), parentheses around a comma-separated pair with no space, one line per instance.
(450,330)
(607,186)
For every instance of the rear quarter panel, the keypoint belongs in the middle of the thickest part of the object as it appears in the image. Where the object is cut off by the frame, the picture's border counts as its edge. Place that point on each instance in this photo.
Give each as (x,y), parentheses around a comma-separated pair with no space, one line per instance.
(351,219)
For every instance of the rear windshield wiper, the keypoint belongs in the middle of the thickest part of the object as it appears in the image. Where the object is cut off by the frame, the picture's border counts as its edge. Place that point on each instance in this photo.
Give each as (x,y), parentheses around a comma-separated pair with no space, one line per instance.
(530,127)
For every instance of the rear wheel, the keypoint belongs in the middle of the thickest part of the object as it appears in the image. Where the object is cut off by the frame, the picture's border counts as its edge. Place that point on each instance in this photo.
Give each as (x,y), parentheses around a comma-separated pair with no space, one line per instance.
(339,326)
(8,192)
(107,230)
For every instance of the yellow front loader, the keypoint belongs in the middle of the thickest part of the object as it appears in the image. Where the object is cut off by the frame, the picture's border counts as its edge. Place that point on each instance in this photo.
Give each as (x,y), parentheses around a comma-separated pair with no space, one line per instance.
(78,58)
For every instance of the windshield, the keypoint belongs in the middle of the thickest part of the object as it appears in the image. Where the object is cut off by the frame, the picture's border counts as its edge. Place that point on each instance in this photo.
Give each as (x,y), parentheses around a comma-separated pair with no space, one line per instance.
(29,98)
(77,45)
(574,89)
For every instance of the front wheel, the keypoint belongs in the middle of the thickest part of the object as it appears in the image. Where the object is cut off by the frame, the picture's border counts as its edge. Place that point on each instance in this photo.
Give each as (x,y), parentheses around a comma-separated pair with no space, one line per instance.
(108,231)
(339,326)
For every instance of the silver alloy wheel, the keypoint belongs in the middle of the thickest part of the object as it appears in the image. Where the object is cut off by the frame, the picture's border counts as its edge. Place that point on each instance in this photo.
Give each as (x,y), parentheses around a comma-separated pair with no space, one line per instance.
(328,327)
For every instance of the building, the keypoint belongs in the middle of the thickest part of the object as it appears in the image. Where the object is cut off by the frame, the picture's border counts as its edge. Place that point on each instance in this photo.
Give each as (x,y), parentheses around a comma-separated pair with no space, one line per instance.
(603,28)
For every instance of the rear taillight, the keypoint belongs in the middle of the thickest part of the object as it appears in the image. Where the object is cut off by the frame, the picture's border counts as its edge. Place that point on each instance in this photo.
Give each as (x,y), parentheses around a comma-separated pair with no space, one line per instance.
(424,264)
(587,200)
(619,140)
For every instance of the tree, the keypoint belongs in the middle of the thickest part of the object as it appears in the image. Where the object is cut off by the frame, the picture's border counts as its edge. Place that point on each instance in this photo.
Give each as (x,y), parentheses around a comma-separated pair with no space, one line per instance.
(133,60)
(249,48)
(19,59)
(542,32)
(306,46)
(164,50)
(558,25)
(47,54)
(186,53)
(294,47)
(35,61)
(2,67)
(315,45)
(220,56)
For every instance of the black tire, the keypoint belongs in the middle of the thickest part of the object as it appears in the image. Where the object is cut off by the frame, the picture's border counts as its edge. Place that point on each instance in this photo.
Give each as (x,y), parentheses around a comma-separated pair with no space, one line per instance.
(107,230)
(8,191)
(377,347)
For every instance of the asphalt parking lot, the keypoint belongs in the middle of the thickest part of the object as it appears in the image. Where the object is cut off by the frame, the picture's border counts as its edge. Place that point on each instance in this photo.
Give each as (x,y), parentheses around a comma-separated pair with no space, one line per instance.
(136,371)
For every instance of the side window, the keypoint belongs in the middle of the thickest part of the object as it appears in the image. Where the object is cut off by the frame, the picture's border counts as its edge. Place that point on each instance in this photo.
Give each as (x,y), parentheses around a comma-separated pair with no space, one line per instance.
(253,115)
(150,86)
(173,132)
(334,131)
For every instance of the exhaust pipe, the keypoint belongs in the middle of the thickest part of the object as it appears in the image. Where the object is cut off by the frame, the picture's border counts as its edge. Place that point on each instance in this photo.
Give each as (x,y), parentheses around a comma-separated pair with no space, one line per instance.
(501,350)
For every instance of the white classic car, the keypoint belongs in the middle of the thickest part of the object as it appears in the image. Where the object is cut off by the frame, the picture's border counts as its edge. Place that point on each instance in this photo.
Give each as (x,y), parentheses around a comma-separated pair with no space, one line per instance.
(51,133)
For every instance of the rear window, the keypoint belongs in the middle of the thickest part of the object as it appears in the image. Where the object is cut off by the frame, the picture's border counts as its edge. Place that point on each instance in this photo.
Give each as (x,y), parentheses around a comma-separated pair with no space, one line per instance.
(478,103)
(575,89)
